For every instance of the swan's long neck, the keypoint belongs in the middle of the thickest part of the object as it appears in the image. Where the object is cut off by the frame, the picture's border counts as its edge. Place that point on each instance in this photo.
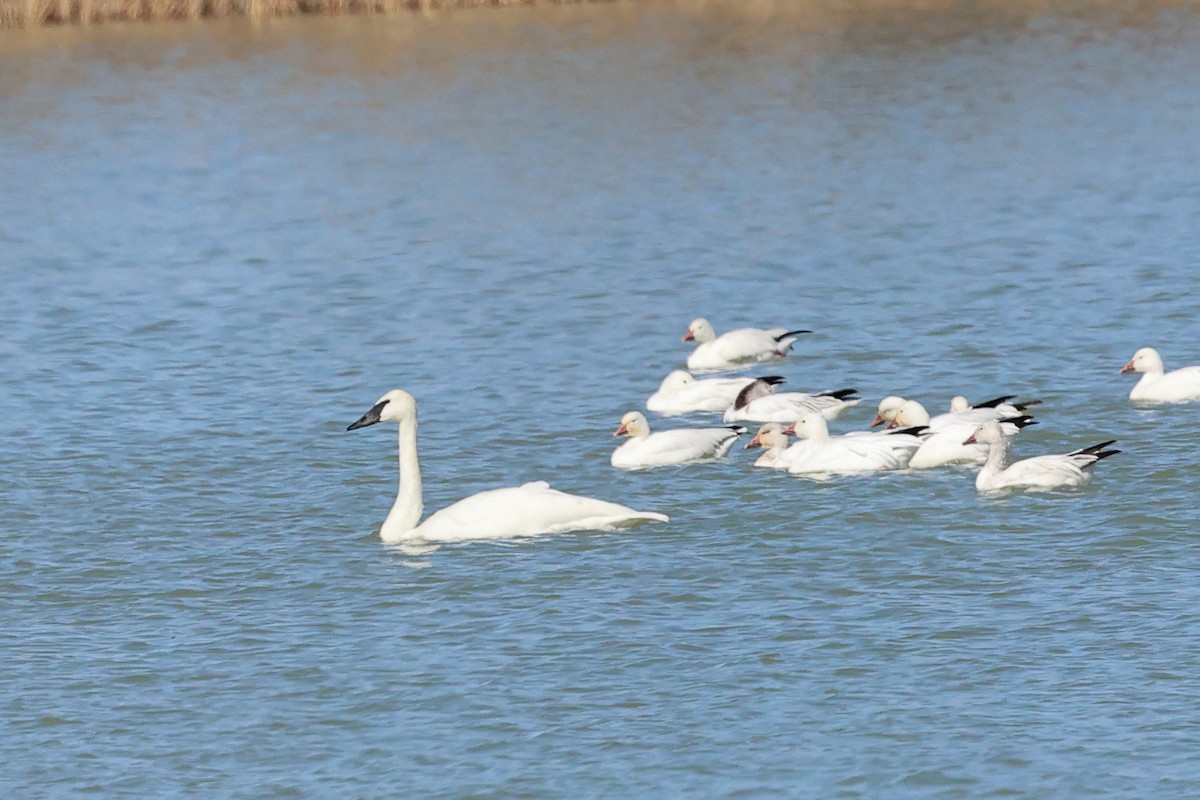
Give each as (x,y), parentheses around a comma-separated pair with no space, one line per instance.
(406,511)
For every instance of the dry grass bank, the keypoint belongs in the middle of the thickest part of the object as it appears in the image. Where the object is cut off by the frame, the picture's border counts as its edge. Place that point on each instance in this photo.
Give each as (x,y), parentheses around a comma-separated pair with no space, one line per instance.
(22,13)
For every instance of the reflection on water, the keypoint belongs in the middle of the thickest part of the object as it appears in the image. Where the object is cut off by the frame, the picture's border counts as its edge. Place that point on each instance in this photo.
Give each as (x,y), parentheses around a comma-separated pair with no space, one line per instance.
(219,240)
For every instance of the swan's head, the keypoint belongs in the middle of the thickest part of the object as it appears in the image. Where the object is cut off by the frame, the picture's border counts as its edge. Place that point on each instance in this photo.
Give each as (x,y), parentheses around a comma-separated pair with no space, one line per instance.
(395,406)
(701,330)
(888,407)
(633,424)
(675,381)
(909,415)
(1145,360)
(987,433)
(810,424)
(768,436)
(958,404)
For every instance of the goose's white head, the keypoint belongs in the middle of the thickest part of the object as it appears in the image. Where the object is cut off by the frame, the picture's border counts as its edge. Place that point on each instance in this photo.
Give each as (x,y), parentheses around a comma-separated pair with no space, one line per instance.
(888,407)
(395,406)
(768,436)
(958,404)
(675,381)
(987,433)
(701,330)
(1145,360)
(809,426)
(910,414)
(633,424)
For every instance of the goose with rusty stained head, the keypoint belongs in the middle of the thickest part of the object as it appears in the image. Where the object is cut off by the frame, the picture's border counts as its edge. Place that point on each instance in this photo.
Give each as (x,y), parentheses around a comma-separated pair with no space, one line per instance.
(1040,473)
(736,348)
(527,510)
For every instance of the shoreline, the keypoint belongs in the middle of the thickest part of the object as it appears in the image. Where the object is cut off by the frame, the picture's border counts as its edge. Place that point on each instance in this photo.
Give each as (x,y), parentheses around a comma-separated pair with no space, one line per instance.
(38,13)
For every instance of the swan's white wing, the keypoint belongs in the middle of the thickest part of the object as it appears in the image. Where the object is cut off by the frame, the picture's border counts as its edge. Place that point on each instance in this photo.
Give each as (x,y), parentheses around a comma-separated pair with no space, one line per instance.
(527,510)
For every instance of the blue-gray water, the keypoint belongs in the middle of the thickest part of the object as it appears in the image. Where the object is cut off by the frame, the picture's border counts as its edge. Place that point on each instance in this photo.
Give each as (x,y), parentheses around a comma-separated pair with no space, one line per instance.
(221,242)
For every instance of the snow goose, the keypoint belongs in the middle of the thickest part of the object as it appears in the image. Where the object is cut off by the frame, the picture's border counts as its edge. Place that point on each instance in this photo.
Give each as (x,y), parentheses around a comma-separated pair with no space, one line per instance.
(680,446)
(944,444)
(774,442)
(818,452)
(757,402)
(526,510)
(1003,405)
(1040,473)
(736,348)
(974,416)
(887,409)
(680,393)
(1157,386)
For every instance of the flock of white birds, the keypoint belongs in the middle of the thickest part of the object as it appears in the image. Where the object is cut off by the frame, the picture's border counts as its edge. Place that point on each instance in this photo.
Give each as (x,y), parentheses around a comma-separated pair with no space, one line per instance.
(911,439)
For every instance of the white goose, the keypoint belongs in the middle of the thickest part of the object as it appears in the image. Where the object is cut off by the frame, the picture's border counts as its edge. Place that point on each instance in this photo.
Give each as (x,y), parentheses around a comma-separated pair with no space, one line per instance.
(818,452)
(736,348)
(944,444)
(1157,386)
(680,393)
(1003,405)
(774,442)
(526,510)
(679,446)
(1040,473)
(887,409)
(757,402)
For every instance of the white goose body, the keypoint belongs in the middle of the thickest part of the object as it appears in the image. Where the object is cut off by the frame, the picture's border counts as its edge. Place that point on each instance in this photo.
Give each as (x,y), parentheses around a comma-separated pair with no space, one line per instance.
(680,393)
(1040,473)
(664,448)
(758,402)
(818,452)
(1157,385)
(737,347)
(1002,406)
(945,444)
(527,510)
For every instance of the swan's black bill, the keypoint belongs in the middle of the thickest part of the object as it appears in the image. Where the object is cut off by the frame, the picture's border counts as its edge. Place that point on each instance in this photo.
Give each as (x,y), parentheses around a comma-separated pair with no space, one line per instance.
(369,418)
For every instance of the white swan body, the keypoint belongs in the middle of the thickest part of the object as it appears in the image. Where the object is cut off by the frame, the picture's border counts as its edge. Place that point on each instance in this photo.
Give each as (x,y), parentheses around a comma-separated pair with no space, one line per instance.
(945,444)
(1158,386)
(680,393)
(818,452)
(757,403)
(527,510)
(681,446)
(736,348)
(1040,473)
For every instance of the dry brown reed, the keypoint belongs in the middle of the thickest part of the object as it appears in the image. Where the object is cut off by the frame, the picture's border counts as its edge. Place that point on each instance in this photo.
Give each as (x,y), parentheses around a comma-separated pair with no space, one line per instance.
(23,13)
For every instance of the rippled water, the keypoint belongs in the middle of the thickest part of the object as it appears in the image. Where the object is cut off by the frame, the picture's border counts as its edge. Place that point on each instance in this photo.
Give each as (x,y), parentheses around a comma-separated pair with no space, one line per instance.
(221,242)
